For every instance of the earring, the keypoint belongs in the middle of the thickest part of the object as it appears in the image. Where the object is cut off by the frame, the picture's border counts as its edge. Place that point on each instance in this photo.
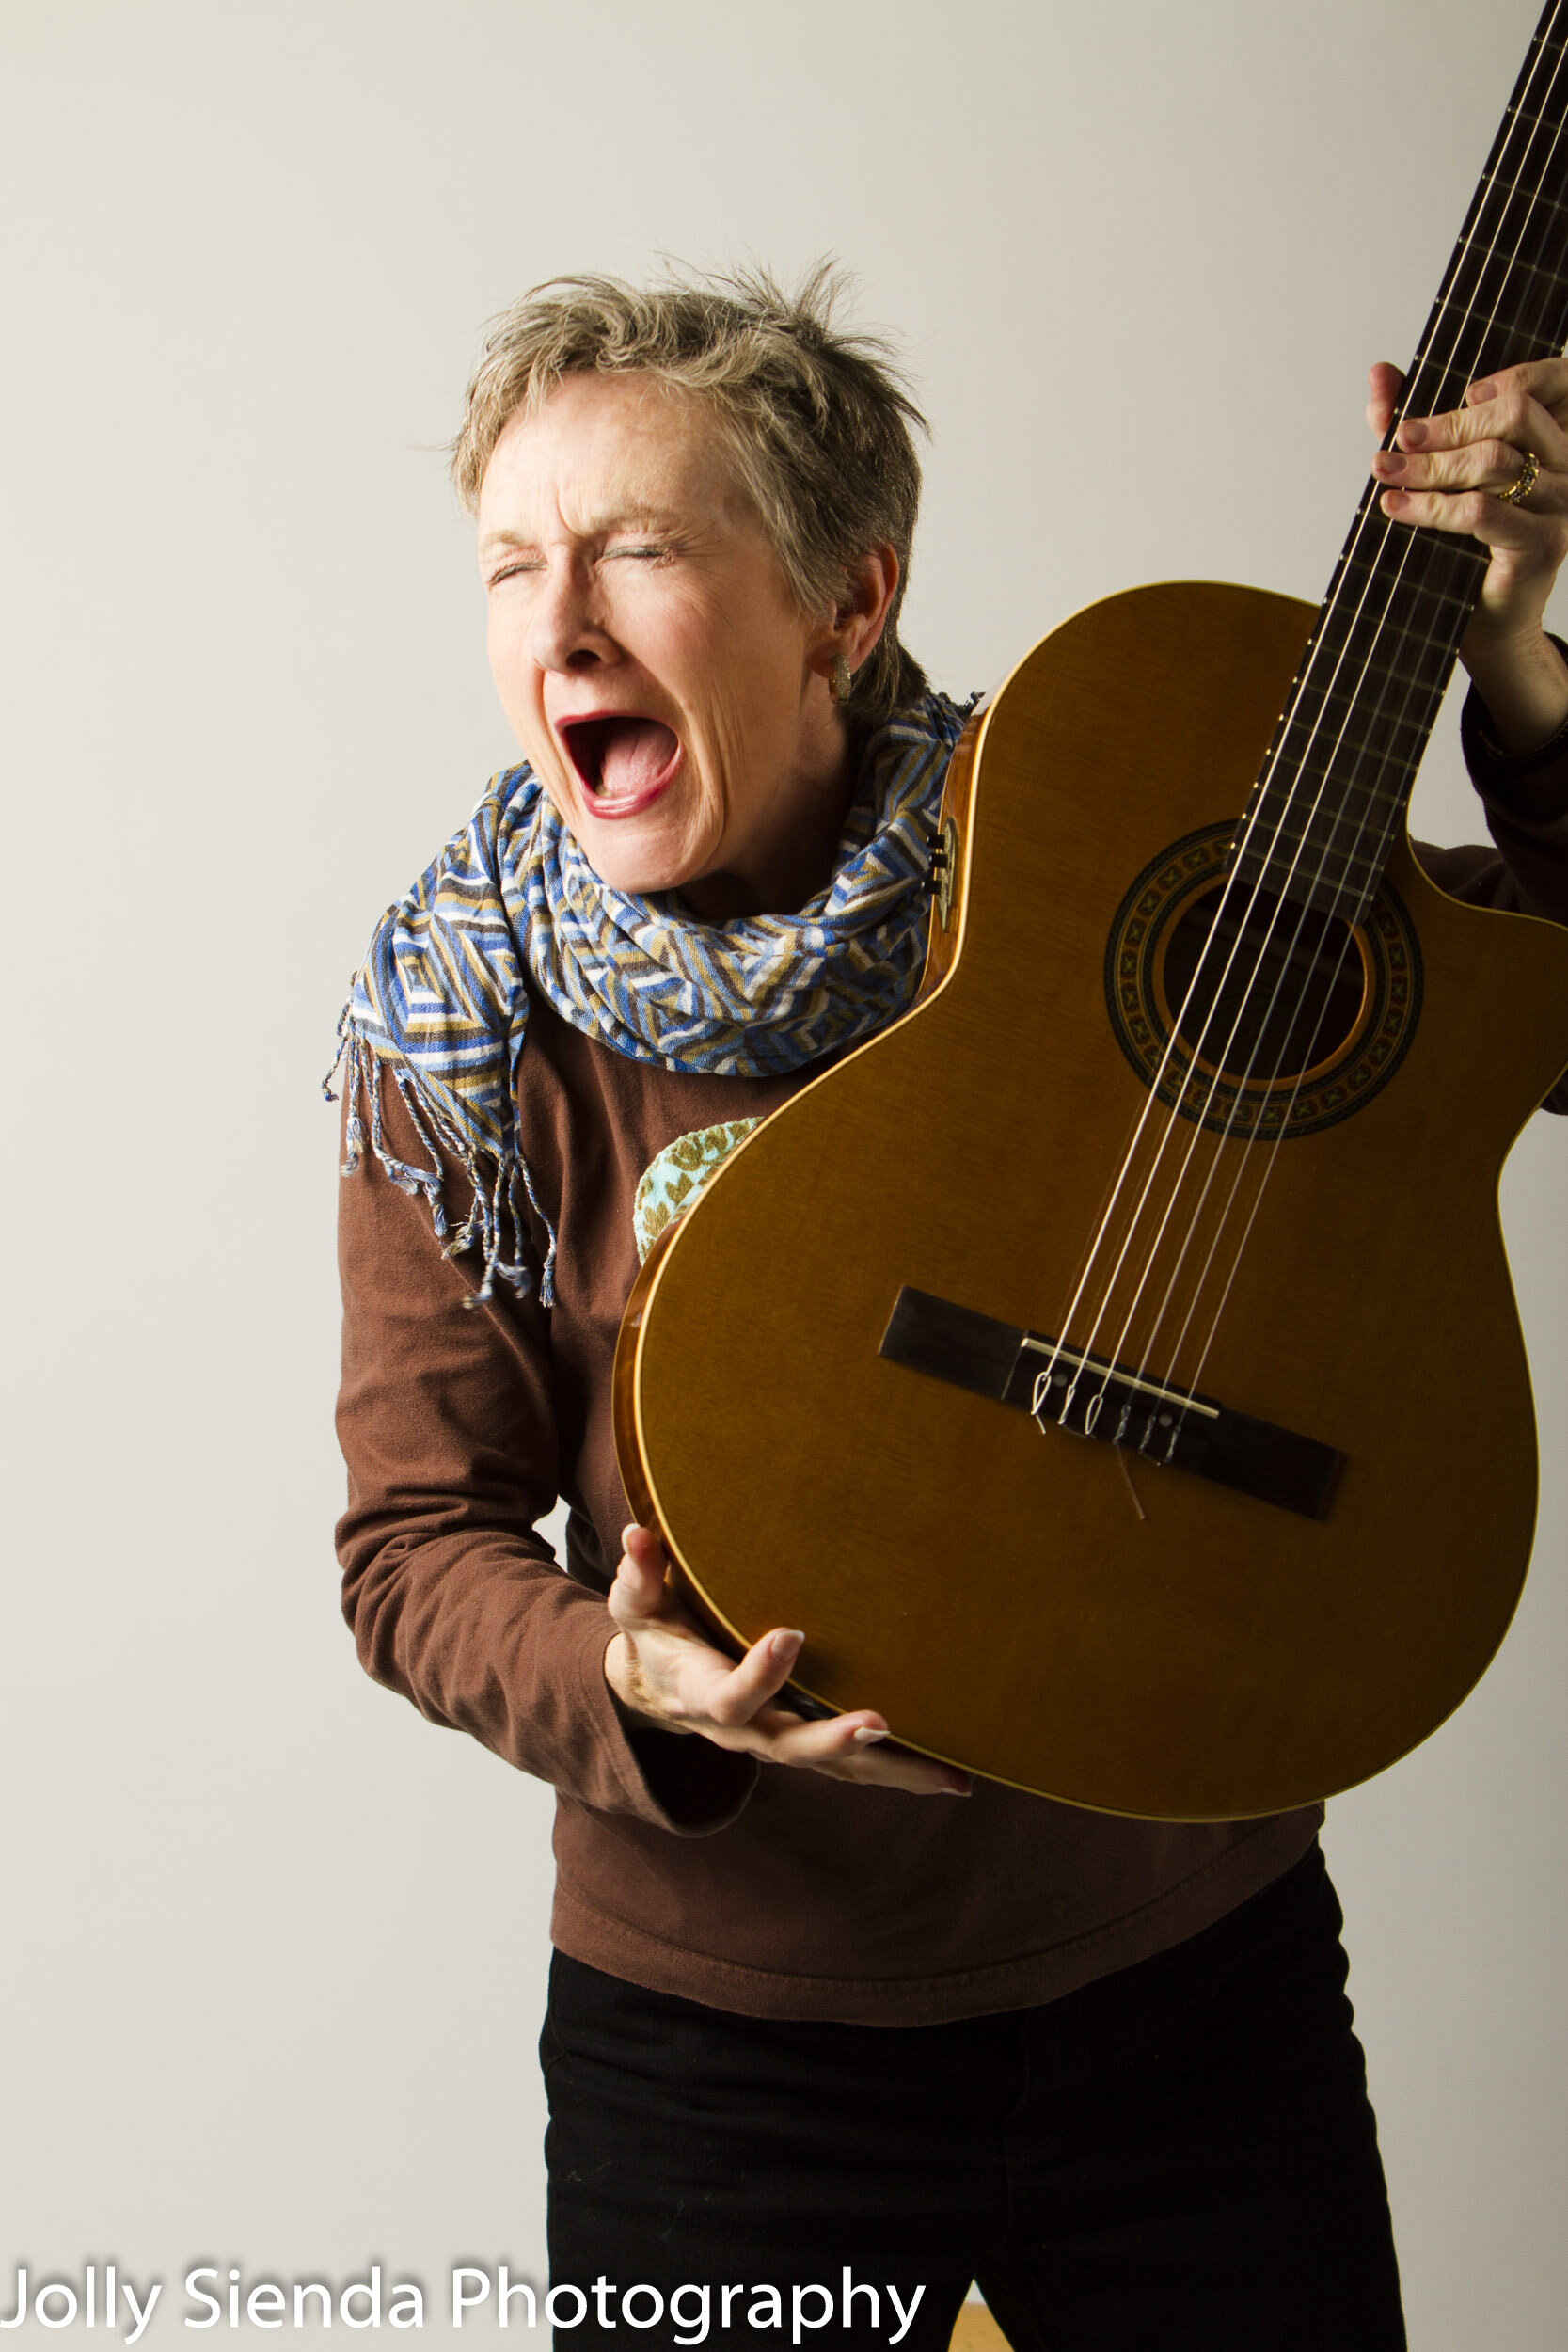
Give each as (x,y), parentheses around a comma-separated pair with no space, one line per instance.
(841,685)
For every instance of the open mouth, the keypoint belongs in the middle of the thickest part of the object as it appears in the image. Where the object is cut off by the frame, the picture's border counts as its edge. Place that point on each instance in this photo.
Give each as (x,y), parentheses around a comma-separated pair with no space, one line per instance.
(623,760)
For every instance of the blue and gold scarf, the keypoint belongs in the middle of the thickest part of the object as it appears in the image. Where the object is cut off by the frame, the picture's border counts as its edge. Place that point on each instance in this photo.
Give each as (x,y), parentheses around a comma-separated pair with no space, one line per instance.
(442,997)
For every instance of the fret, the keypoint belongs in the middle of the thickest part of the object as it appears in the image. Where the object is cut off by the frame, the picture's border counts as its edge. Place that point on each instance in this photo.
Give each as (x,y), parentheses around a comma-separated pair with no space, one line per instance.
(1429,390)
(1527,299)
(1535,285)
(1364,552)
(1355,634)
(1329,779)
(1393,739)
(1366,547)
(1350,649)
(1519,330)
(1272,818)
(1515,210)
(1391,746)
(1333,698)
(1421,573)
(1510,213)
(1462,317)
(1523,114)
(1380,673)
(1367,690)
(1299,871)
(1399,671)
(1285,848)
(1275,847)
(1322,796)
(1508,216)
(1294,872)
(1523,236)
(1398,702)
(1326,893)
(1323,736)
(1278,849)
(1533,205)
(1372,569)
(1482,350)
(1539,198)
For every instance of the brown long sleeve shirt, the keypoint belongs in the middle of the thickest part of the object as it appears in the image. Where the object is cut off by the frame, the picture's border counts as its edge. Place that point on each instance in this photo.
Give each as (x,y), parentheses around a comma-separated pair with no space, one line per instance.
(680,1867)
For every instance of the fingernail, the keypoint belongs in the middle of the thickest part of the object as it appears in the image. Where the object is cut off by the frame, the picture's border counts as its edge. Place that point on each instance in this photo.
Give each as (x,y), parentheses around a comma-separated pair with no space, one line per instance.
(1414,433)
(1487,391)
(787,1646)
(866,1736)
(1389,465)
(950,1791)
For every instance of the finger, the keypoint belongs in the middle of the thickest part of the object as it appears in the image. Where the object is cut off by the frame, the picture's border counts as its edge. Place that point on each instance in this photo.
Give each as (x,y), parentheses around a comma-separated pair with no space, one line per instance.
(1542,380)
(912,1775)
(685,1678)
(1487,465)
(1384,384)
(734,1694)
(856,1747)
(1535,542)
(639,1594)
(644,1545)
(853,1747)
(1510,419)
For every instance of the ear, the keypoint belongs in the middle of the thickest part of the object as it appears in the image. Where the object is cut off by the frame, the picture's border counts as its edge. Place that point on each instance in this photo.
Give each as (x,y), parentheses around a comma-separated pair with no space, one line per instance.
(860,614)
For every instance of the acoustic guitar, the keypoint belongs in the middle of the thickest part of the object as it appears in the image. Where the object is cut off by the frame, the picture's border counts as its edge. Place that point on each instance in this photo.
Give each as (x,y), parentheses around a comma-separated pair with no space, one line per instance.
(1113,1365)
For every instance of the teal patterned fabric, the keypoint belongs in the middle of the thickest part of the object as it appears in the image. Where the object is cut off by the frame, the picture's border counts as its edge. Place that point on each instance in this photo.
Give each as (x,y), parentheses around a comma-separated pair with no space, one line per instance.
(675,1176)
(441,999)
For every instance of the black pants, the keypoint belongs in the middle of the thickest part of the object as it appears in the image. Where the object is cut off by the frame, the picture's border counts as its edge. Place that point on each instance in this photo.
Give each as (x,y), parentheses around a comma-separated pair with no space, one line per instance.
(1179,2155)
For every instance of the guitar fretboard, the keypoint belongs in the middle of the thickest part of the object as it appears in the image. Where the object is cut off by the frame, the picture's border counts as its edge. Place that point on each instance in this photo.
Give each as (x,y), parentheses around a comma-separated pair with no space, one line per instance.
(1331,791)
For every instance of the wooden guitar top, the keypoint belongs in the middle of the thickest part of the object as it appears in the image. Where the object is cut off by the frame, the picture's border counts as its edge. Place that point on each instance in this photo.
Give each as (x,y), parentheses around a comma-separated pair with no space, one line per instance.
(1075,1616)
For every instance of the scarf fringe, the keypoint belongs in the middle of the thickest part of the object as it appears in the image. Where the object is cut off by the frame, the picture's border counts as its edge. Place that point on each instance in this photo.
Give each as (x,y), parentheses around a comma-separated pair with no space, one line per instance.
(494,1204)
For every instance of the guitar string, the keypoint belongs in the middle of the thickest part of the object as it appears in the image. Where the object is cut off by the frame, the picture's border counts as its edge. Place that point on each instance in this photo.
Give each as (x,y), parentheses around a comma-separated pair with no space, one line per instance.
(1279,1136)
(1414,688)
(1253,823)
(1193,1070)
(1187,1082)
(1247,1162)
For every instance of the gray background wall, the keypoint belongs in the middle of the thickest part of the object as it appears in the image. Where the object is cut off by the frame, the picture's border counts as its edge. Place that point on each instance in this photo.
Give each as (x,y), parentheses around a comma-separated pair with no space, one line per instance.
(274,1950)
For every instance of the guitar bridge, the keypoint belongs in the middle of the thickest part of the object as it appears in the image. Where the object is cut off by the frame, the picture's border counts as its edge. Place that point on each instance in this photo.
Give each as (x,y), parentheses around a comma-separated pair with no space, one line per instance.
(1091,1396)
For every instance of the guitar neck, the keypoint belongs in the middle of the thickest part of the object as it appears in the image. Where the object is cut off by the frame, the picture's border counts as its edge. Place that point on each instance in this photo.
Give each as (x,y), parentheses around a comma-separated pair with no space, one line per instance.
(1331,795)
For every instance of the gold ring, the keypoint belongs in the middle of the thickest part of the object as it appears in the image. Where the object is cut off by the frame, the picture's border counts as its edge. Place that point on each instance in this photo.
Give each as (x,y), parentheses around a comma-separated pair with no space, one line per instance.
(1530,474)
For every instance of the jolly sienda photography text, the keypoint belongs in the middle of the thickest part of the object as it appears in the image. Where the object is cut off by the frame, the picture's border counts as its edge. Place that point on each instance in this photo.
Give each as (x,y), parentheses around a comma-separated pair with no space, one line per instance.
(108,2295)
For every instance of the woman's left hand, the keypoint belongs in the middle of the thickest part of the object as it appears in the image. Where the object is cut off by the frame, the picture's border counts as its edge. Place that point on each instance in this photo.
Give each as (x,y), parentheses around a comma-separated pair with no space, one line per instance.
(1448,472)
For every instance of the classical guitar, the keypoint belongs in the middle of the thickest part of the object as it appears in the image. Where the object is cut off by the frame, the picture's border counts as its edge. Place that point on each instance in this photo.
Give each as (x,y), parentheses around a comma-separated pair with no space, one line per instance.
(1113,1365)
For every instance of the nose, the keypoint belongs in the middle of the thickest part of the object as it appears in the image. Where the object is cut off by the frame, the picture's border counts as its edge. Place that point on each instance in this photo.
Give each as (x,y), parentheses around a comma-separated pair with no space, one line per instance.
(566,631)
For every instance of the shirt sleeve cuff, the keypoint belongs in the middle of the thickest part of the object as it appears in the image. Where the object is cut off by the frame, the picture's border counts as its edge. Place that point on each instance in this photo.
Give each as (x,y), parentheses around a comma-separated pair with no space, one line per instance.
(1529,786)
(678,1780)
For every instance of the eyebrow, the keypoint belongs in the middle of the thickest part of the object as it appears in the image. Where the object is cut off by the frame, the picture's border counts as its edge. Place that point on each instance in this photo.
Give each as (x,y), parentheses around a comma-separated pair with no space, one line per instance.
(621,518)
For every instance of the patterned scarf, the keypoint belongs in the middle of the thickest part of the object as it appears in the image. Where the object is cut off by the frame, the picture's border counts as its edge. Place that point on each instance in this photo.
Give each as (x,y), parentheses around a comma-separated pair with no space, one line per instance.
(441,999)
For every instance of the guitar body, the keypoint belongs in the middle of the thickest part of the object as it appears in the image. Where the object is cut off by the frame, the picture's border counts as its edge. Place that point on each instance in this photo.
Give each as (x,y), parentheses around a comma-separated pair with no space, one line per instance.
(1078,1617)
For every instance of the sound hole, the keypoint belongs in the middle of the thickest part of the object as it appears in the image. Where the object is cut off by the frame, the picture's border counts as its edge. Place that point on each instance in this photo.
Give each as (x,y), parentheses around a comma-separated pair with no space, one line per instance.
(1288,982)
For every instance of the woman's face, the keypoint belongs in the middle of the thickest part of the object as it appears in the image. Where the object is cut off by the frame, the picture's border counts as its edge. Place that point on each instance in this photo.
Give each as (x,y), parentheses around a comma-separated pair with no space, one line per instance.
(663,685)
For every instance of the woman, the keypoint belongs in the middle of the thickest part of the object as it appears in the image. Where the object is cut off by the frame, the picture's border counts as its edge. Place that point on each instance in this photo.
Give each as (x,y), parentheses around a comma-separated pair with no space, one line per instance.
(808,2037)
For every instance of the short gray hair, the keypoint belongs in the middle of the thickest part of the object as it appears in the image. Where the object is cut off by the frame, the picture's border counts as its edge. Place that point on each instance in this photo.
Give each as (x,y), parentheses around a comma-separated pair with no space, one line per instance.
(818,421)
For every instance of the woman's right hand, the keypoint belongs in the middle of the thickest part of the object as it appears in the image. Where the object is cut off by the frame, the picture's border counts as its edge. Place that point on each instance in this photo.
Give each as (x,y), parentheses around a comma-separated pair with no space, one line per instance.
(663,1669)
